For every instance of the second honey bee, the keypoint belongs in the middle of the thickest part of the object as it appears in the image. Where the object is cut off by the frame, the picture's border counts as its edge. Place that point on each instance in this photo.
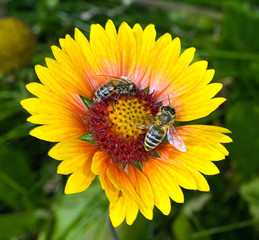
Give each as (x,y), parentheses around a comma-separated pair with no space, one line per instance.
(163,124)
(120,85)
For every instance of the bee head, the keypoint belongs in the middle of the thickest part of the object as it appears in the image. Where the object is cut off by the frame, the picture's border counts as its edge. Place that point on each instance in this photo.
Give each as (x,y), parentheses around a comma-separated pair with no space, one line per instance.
(168,109)
(132,89)
(128,85)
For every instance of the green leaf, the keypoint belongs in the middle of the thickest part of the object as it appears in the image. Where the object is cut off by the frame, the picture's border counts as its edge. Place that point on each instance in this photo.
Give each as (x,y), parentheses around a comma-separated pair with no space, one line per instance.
(16,177)
(15,225)
(87,102)
(196,204)
(146,90)
(140,229)
(242,120)
(81,216)
(182,227)
(88,137)
(240,26)
(250,192)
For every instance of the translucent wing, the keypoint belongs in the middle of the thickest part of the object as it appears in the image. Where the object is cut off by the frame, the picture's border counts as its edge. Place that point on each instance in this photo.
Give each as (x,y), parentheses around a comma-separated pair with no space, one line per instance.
(175,139)
(148,122)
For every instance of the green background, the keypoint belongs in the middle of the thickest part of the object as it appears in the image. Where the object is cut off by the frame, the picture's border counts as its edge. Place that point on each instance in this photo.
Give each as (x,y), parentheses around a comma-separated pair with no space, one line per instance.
(226,33)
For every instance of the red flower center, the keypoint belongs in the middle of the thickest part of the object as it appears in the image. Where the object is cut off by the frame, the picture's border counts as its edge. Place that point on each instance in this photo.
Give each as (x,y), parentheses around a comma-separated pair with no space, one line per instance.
(117,127)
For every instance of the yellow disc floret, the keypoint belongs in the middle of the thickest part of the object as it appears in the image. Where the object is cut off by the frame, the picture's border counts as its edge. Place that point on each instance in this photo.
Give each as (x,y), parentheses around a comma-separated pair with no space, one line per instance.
(129,116)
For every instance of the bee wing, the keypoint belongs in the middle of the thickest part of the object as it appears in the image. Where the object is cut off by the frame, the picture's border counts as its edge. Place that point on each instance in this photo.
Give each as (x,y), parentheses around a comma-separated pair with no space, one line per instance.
(150,119)
(175,139)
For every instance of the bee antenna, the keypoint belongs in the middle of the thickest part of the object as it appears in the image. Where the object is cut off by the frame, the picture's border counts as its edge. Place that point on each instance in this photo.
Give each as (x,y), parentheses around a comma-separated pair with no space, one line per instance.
(169,100)
(107,76)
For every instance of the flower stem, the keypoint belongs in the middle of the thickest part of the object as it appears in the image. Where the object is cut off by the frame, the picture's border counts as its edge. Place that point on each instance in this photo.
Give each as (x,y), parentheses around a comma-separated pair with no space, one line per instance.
(111,229)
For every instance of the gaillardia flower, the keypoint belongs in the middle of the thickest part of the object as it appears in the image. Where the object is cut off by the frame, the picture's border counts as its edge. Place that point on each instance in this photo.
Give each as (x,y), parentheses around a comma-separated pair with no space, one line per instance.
(105,138)
(17,44)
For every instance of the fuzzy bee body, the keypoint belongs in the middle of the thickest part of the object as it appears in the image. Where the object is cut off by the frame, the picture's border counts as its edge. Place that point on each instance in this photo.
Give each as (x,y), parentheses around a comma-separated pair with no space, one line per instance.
(162,125)
(122,85)
(154,137)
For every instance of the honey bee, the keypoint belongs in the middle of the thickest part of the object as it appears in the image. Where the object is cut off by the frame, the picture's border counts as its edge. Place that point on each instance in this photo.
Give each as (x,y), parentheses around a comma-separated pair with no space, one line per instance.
(120,85)
(161,125)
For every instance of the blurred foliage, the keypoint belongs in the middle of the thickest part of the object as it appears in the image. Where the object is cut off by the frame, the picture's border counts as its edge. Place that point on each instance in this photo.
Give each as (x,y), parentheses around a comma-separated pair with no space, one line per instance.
(225,33)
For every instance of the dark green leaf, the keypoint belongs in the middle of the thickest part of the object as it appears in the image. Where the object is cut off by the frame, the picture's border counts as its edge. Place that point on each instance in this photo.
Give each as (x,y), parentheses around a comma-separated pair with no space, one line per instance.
(87,102)
(16,225)
(88,137)
(81,216)
(250,192)
(15,177)
(182,227)
(146,90)
(242,120)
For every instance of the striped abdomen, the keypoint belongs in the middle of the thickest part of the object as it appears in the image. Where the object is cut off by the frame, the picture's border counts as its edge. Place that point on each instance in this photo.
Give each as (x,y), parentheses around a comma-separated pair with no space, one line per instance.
(153,137)
(105,91)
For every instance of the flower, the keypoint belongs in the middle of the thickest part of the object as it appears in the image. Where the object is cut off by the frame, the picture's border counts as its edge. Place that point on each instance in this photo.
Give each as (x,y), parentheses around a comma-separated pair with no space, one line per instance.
(17,44)
(105,137)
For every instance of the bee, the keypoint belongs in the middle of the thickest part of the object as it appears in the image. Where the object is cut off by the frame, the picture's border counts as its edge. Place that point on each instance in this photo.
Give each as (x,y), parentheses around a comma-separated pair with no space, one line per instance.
(161,125)
(120,85)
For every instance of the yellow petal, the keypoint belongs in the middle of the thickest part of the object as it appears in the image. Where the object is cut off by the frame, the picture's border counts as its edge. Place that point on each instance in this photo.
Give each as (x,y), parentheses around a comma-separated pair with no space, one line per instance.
(38,90)
(92,68)
(67,101)
(143,189)
(71,148)
(121,181)
(201,182)
(145,42)
(57,133)
(179,173)
(114,47)
(160,77)
(80,180)
(121,208)
(162,200)
(189,78)
(202,165)
(128,49)
(205,108)
(49,81)
(68,77)
(105,51)
(98,161)
(71,165)
(162,42)
(132,210)
(167,181)
(117,211)
(204,141)
(99,167)
(195,97)
(183,62)
(138,33)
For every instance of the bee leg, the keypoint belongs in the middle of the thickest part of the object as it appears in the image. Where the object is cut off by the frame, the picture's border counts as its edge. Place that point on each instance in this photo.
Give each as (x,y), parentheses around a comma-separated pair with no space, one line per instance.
(115,100)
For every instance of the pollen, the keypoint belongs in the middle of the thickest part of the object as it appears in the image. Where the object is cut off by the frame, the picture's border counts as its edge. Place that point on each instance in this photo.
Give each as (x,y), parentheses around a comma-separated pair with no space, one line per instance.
(129,117)
(119,129)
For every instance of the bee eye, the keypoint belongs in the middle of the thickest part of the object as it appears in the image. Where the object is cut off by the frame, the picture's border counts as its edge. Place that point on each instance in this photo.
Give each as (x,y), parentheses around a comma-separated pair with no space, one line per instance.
(169,109)
(172,111)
